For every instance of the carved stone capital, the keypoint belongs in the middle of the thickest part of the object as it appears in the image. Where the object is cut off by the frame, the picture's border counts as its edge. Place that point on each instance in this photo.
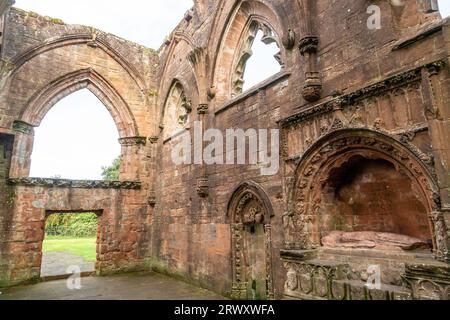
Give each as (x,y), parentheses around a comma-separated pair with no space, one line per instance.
(22,127)
(133,141)
(308,44)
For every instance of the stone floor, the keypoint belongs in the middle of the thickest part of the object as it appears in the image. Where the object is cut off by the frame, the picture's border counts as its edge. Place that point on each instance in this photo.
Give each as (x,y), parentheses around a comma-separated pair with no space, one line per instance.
(57,264)
(136,286)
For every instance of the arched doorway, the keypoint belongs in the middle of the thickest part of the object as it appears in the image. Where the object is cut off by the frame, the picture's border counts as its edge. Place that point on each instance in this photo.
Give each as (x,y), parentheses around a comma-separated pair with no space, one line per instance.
(250,211)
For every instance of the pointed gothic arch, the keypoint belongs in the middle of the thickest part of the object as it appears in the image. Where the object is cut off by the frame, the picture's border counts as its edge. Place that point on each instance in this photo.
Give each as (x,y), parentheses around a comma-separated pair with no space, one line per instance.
(246,19)
(250,212)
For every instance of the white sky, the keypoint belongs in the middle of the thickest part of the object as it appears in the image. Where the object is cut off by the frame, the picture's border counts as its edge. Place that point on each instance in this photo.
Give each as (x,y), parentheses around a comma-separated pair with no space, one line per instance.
(78,136)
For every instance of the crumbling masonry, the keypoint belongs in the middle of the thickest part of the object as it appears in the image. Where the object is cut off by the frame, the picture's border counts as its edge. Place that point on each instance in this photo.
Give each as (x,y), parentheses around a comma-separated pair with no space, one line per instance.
(365,148)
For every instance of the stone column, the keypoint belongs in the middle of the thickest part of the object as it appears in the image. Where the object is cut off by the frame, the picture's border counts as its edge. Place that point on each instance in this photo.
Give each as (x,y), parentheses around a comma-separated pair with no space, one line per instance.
(132,156)
(23,147)
(199,61)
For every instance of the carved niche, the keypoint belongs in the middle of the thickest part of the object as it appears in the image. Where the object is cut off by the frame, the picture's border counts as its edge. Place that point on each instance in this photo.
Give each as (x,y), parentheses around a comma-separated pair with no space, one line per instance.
(305,192)
(251,245)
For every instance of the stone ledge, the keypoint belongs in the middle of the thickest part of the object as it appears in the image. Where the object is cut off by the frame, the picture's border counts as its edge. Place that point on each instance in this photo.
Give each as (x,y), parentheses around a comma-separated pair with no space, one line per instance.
(421,34)
(80,184)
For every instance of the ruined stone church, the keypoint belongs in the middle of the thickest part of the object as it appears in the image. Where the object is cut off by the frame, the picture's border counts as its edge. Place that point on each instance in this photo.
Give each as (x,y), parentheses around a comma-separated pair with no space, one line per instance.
(363,113)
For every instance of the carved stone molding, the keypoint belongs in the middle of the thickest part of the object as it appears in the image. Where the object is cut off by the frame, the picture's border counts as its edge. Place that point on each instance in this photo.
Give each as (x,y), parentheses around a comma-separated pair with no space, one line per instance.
(428,281)
(374,90)
(310,278)
(133,141)
(79,184)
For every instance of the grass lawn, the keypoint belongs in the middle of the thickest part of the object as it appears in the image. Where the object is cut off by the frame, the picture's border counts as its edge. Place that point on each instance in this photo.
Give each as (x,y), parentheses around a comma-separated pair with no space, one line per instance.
(83,247)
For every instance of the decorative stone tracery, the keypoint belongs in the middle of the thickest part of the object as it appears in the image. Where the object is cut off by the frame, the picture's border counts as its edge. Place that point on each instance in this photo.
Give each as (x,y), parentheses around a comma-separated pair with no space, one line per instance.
(177,110)
(245,51)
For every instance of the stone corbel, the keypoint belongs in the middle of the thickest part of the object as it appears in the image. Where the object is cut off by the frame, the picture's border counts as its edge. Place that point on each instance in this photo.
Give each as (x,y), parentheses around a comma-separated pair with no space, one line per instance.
(153,139)
(203,187)
(202,108)
(152,198)
(289,39)
(312,89)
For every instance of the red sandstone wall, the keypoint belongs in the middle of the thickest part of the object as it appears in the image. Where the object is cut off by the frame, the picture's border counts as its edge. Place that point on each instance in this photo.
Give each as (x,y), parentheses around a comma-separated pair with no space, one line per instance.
(349,58)
(185,233)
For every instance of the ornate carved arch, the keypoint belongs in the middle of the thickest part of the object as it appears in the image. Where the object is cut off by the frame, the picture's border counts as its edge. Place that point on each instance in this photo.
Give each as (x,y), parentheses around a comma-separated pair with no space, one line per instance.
(45,99)
(249,206)
(78,39)
(245,20)
(176,109)
(332,150)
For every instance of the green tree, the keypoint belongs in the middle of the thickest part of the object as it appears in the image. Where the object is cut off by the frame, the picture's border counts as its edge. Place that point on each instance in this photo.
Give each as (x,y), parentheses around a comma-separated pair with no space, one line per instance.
(111,173)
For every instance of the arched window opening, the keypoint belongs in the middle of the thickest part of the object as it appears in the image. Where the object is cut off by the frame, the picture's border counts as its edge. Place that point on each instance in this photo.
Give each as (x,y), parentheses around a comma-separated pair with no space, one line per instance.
(260,58)
(75,140)
(177,110)
(444,8)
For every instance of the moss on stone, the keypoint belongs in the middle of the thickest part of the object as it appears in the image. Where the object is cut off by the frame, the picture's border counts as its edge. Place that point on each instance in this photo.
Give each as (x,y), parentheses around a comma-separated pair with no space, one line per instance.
(57,21)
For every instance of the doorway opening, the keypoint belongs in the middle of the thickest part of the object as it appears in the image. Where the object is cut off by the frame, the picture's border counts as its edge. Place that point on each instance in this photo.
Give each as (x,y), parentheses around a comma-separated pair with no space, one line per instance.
(70,244)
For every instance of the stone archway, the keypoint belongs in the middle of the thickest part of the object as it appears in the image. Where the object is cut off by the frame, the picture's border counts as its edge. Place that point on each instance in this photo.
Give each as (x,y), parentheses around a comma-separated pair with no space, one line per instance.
(234,46)
(43,100)
(323,169)
(250,212)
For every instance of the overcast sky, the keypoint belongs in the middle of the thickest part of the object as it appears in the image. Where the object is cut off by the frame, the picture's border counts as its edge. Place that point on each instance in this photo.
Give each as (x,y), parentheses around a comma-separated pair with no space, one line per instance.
(78,136)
